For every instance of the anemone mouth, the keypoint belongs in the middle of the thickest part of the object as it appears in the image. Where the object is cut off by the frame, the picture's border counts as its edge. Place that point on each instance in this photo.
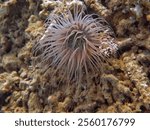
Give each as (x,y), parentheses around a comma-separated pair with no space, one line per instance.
(76,41)
(75,44)
(76,38)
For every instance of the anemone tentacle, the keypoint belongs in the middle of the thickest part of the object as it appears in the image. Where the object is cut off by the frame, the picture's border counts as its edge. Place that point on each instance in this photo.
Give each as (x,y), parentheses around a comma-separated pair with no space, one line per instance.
(75,43)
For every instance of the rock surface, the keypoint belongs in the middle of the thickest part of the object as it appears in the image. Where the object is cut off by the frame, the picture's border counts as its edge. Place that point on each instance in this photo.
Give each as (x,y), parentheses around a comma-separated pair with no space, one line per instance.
(124,85)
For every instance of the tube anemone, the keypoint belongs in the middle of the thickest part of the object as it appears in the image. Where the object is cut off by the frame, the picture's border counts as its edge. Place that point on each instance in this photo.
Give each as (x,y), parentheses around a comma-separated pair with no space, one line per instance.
(75,43)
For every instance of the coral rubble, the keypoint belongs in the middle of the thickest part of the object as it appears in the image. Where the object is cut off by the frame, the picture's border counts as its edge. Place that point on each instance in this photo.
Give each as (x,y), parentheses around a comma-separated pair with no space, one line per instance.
(124,85)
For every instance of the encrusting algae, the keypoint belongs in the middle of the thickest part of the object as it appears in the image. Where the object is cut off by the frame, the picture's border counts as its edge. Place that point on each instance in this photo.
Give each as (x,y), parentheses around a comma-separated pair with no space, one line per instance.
(124,84)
